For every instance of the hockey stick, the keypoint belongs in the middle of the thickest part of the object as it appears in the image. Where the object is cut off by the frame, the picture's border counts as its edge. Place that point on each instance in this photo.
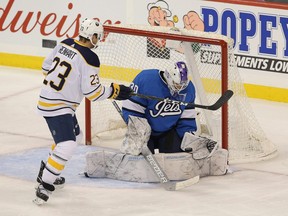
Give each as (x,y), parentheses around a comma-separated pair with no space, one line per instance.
(162,176)
(219,103)
(159,172)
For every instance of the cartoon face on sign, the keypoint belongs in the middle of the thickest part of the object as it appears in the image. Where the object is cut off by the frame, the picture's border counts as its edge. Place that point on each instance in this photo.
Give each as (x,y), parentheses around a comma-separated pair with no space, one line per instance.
(159,14)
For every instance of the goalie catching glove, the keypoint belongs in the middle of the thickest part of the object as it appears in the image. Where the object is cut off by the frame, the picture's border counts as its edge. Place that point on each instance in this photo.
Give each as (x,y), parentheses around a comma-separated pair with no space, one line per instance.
(199,147)
(120,92)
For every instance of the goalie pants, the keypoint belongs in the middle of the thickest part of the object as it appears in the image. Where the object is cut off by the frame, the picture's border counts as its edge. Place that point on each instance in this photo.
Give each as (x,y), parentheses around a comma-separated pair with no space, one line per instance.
(168,142)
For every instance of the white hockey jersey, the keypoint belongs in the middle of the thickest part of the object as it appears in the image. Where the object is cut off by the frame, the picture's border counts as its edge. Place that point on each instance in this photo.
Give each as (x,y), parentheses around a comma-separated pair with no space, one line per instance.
(71,74)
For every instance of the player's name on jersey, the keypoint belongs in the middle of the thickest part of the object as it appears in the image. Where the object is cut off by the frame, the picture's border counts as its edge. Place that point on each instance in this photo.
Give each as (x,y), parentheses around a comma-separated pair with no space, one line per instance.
(67,52)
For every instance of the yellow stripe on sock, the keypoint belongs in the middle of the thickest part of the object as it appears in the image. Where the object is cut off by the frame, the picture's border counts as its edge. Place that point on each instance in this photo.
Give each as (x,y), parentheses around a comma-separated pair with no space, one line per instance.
(55,164)
(53,146)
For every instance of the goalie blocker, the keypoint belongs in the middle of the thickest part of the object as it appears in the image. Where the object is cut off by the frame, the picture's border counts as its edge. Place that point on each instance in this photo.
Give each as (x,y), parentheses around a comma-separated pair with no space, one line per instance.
(204,158)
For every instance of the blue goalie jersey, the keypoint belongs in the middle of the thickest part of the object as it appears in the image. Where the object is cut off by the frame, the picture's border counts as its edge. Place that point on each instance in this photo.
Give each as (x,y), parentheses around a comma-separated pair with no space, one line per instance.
(161,115)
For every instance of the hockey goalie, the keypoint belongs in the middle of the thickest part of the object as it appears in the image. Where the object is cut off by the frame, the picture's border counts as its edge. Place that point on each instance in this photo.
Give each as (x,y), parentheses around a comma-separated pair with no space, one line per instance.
(200,157)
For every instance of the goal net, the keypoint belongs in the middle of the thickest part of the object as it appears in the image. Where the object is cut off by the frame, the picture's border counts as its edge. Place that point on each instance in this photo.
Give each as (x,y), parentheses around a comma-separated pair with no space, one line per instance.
(128,49)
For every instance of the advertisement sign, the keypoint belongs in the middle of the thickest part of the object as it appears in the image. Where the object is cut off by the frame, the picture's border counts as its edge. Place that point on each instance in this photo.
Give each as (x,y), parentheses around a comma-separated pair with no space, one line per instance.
(26,27)
(260,34)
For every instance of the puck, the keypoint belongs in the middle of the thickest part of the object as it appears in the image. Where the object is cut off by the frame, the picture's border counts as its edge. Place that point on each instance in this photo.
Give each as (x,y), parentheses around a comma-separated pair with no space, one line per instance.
(189,149)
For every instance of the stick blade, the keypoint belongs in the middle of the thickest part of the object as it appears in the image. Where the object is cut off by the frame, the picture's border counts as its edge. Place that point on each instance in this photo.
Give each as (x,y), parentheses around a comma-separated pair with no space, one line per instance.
(222,100)
(173,186)
(228,94)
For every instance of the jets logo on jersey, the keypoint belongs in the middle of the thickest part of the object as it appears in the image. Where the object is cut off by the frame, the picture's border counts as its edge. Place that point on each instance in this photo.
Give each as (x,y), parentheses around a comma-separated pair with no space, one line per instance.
(164,108)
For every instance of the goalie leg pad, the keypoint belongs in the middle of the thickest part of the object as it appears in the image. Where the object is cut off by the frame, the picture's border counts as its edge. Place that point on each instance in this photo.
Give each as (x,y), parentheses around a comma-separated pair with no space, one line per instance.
(95,165)
(115,165)
(209,159)
(137,135)
(215,165)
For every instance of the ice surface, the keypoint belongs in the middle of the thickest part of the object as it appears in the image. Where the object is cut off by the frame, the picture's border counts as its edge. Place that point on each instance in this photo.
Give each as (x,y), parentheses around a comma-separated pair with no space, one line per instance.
(253,189)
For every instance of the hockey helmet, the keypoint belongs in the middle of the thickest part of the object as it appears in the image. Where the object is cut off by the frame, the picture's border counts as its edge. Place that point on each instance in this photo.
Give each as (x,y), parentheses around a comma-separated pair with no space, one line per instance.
(177,77)
(90,27)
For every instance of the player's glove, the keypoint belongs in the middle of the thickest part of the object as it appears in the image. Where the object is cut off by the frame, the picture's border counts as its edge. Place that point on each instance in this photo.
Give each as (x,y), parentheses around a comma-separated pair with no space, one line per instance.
(120,92)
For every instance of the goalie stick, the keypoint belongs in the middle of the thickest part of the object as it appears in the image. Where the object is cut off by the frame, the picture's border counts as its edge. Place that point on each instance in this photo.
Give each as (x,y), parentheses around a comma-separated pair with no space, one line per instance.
(163,178)
(219,103)
(159,172)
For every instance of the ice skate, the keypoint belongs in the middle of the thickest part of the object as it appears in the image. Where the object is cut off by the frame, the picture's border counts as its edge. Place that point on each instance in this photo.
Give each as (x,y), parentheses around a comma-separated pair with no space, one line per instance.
(58,183)
(43,192)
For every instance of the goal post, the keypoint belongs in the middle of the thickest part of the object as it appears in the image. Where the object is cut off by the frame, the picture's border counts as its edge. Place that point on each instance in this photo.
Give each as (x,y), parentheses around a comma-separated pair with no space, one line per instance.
(128,49)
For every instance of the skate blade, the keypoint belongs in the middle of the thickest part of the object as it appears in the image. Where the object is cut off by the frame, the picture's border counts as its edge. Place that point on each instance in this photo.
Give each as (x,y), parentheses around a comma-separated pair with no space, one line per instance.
(36,185)
(38,201)
(58,187)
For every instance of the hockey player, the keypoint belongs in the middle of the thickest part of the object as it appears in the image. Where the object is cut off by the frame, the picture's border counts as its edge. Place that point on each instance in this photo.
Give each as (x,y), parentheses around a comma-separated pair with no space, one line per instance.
(168,121)
(163,125)
(71,74)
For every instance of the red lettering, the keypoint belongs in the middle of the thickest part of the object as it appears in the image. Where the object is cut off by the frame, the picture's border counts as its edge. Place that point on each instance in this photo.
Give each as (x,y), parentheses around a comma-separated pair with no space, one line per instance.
(76,24)
(25,23)
(14,22)
(5,14)
(49,23)
(109,22)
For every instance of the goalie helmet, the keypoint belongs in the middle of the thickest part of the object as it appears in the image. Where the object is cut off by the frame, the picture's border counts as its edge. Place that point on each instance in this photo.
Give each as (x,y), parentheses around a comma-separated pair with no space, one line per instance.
(177,77)
(90,27)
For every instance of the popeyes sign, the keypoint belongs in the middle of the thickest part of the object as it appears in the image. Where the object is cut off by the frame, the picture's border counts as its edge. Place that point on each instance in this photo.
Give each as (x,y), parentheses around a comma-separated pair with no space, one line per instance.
(49,24)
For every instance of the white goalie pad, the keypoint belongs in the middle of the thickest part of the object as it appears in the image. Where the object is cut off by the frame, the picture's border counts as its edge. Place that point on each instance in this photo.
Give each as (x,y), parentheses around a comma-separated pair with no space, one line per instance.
(137,135)
(177,166)
(116,165)
(215,165)
(210,159)
(199,147)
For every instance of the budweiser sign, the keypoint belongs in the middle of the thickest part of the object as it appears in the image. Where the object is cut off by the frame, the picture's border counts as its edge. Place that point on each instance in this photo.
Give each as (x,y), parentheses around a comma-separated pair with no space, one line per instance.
(46,23)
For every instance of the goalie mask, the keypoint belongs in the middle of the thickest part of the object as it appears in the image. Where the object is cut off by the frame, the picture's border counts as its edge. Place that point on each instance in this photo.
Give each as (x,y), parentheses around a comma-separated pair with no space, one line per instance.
(177,78)
(90,27)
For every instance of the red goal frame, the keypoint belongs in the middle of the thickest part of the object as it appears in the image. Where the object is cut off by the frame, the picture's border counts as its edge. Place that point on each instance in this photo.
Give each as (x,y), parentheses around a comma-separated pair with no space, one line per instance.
(224,76)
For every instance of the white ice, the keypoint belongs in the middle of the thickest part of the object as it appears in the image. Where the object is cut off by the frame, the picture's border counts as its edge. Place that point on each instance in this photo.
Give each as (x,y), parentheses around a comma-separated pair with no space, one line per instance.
(254,189)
